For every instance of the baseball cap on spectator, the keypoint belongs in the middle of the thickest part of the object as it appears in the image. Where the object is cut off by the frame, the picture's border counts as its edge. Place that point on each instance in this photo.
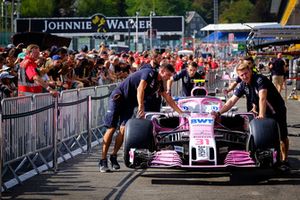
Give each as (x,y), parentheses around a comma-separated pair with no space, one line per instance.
(56,57)
(10,46)
(71,52)
(5,68)
(84,48)
(90,55)
(21,55)
(124,55)
(5,75)
(122,61)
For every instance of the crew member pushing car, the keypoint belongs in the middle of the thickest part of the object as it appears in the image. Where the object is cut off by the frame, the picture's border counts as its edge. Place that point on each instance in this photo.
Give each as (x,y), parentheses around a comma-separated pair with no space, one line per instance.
(129,94)
(261,92)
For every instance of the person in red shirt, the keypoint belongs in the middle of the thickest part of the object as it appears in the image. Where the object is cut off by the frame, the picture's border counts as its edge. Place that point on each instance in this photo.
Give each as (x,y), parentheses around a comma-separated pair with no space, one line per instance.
(179,63)
(29,81)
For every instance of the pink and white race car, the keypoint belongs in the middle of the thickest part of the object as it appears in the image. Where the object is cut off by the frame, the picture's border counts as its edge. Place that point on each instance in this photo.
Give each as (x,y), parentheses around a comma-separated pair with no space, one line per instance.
(198,140)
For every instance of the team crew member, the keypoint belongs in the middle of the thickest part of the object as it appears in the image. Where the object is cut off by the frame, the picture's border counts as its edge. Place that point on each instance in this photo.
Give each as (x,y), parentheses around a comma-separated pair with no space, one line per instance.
(187,76)
(250,62)
(30,81)
(152,102)
(129,94)
(278,70)
(261,92)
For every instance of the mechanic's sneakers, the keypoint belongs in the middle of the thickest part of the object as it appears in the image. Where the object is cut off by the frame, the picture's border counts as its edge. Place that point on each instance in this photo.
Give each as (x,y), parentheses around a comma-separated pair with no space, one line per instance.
(284,167)
(114,163)
(103,166)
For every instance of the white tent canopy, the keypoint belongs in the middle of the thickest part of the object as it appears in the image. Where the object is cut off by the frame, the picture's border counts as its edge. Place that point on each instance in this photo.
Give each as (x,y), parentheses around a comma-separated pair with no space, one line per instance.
(237,26)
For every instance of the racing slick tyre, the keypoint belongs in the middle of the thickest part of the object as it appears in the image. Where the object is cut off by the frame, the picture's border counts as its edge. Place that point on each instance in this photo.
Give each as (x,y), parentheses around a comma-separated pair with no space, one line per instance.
(138,135)
(264,136)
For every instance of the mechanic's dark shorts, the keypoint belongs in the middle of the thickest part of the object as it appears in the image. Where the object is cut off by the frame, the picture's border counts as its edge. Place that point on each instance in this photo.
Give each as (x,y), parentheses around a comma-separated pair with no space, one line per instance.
(282,122)
(118,111)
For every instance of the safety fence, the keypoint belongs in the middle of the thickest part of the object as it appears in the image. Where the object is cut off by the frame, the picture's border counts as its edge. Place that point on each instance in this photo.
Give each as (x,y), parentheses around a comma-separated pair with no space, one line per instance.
(38,132)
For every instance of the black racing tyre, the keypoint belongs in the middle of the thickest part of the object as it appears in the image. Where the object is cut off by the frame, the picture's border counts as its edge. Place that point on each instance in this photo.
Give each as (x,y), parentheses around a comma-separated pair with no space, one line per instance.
(139,135)
(264,135)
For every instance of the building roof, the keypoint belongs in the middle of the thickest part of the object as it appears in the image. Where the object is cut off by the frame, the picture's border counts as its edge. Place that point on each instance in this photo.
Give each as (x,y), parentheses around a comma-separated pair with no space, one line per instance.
(191,14)
(235,26)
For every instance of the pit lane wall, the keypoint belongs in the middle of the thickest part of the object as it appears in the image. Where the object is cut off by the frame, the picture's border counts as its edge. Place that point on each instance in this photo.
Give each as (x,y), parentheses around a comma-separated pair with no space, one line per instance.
(38,132)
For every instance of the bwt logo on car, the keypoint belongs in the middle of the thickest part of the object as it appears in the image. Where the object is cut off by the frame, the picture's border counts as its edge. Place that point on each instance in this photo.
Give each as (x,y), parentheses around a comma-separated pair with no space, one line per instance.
(202,121)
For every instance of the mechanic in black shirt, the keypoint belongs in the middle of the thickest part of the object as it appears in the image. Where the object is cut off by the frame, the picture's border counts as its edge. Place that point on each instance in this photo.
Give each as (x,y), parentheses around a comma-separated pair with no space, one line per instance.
(153,102)
(261,92)
(278,70)
(248,60)
(187,75)
(128,95)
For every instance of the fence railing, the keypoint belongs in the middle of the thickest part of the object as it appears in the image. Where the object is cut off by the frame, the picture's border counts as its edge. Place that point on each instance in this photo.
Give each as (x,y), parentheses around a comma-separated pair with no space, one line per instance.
(38,132)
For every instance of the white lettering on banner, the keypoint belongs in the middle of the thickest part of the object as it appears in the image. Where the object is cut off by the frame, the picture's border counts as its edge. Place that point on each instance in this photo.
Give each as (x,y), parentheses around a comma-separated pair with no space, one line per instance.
(117,24)
(81,25)
(60,25)
(76,25)
(148,24)
(112,24)
(142,24)
(66,25)
(121,25)
(88,25)
(202,121)
(52,26)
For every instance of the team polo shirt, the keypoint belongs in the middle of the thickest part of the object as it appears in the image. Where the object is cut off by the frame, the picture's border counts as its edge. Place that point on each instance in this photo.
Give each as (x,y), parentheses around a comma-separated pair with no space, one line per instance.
(187,81)
(275,103)
(128,87)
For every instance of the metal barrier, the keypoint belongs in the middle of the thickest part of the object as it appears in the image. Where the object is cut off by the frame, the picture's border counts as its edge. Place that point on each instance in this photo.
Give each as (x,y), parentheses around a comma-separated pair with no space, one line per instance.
(39,132)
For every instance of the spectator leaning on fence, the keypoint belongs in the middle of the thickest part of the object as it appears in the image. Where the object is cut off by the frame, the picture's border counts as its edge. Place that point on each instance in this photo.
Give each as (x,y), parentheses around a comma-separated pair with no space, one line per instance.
(29,81)
(7,87)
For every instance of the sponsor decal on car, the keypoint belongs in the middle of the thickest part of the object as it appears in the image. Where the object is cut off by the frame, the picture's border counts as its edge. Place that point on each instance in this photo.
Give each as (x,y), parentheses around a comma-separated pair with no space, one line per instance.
(202,121)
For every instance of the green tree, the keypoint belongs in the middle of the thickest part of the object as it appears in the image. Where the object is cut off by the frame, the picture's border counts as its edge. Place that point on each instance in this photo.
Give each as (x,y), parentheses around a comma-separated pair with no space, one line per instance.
(37,8)
(64,8)
(161,8)
(172,7)
(238,12)
(121,8)
(86,8)
(261,12)
(142,6)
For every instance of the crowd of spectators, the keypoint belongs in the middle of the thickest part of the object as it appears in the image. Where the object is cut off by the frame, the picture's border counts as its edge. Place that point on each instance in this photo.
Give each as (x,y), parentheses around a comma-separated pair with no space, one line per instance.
(62,68)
